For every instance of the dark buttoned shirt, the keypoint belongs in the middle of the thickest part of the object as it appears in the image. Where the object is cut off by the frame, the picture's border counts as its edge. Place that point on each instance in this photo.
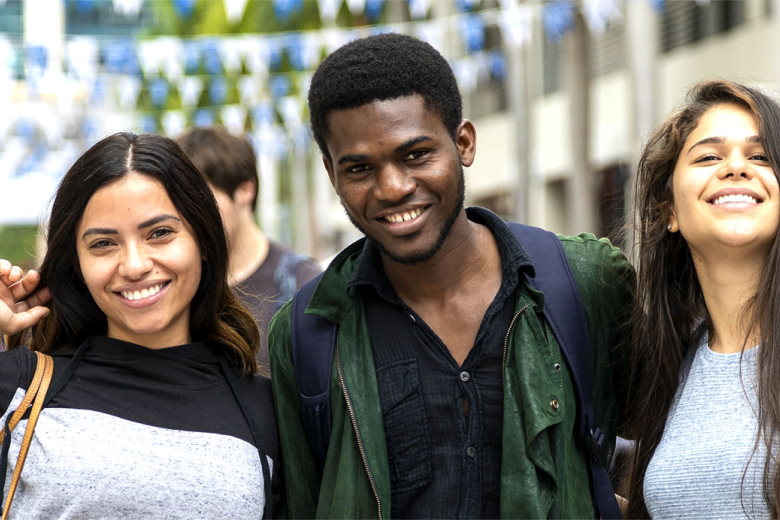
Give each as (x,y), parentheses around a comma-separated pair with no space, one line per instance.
(443,422)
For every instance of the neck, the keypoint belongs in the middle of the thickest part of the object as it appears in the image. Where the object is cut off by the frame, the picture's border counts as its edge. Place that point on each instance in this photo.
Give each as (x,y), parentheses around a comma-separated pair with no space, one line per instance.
(248,250)
(469,255)
(728,282)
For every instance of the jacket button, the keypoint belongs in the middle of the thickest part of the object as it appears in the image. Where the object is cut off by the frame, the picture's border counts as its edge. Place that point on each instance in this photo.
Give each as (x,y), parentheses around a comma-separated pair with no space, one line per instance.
(465,376)
(555,404)
(471,451)
(557,366)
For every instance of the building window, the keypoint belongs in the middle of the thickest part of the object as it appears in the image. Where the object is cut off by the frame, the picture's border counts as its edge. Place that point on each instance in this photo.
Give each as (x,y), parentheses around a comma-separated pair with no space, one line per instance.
(612,208)
(686,21)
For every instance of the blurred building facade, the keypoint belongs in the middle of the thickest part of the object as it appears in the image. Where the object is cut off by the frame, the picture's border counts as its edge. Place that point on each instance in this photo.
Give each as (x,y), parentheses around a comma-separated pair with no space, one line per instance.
(563,92)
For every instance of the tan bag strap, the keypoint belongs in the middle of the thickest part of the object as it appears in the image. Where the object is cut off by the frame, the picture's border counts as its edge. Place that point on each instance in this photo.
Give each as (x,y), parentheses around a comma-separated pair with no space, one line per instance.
(28,397)
(45,366)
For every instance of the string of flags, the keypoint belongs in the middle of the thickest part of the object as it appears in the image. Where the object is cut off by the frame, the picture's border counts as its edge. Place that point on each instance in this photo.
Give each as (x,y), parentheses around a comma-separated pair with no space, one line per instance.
(254,83)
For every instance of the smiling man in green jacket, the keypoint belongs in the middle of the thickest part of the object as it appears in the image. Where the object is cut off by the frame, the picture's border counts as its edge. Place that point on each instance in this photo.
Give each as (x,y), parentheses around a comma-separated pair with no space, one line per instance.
(450,397)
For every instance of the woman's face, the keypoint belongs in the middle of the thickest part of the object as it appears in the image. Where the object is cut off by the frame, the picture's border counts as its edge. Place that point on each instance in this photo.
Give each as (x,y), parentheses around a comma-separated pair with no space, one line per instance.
(140,261)
(725,192)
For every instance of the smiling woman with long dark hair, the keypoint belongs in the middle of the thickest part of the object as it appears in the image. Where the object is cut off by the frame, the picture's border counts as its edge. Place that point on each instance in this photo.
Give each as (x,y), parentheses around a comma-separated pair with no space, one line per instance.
(155,408)
(704,401)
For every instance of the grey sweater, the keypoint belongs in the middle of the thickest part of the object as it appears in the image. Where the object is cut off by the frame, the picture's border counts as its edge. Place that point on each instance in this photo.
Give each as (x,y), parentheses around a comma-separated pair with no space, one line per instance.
(705,465)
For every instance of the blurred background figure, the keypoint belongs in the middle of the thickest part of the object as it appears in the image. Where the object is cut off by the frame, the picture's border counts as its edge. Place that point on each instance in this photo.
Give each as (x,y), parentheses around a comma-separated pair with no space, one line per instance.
(264,273)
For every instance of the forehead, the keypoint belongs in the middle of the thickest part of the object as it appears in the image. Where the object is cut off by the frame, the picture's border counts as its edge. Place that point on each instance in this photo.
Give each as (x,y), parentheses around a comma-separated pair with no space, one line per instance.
(131,197)
(382,121)
(724,120)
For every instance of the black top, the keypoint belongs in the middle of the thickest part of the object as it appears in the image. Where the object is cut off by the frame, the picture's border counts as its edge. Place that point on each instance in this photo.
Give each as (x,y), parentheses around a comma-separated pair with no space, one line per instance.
(136,432)
(443,422)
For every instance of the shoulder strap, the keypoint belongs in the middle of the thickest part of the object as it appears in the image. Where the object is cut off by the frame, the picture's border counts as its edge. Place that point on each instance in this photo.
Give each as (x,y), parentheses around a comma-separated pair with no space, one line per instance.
(314,338)
(38,388)
(313,341)
(565,314)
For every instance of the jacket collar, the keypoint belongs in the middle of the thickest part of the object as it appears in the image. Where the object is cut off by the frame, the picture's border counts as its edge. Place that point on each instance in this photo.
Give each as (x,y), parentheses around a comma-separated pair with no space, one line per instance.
(335,294)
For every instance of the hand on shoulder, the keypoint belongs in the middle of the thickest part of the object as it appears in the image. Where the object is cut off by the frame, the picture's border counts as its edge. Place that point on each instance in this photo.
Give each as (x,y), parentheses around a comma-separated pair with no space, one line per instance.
(20,305)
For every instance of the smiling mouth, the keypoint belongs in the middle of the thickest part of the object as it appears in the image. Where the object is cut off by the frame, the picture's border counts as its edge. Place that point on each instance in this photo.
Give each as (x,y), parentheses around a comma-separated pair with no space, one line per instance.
(733,199)
(404,216)
(143,293)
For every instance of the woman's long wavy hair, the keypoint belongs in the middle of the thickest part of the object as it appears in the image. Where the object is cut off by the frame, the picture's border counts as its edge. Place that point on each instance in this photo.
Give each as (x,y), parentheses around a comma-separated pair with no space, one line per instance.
(669,311)
(215,312)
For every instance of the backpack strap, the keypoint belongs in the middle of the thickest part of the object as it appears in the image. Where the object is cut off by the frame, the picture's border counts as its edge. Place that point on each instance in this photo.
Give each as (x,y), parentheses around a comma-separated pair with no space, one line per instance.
(565,314)
(313,342)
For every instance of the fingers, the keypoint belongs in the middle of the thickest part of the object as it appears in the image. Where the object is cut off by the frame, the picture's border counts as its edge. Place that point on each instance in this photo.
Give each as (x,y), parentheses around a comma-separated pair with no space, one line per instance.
(9,274)
(36,300)
(42,297)
(25,285)
(21,284)
(21,306)
(22,320)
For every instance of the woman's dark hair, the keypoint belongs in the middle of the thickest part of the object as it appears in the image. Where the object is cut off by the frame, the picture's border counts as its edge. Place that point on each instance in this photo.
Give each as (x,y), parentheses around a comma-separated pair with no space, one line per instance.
(215,313)
(669,310)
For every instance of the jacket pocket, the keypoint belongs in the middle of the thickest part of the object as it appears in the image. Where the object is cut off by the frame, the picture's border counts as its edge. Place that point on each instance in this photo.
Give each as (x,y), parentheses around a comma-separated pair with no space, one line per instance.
(406,426)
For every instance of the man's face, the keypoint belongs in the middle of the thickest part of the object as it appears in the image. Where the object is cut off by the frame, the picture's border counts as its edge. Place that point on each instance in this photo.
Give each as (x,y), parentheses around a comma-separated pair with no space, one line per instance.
(399,174)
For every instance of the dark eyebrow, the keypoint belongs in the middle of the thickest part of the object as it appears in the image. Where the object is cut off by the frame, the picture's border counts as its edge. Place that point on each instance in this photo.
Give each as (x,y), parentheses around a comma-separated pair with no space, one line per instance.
(142,225)
(708,140)
(359,157)
(98,231)
(353,157)
(156,220)
(721,140)
(411,142)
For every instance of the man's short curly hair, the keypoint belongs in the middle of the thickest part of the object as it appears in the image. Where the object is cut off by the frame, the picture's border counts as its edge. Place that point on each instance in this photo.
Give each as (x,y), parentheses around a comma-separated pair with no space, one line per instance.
(385,66)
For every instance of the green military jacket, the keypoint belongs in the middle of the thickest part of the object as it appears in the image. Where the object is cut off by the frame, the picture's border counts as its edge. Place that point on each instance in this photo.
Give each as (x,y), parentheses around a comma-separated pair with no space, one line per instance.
(543,469)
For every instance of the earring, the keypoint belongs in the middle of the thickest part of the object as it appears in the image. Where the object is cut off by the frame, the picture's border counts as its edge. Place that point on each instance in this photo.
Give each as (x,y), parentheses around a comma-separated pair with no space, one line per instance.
(669,227)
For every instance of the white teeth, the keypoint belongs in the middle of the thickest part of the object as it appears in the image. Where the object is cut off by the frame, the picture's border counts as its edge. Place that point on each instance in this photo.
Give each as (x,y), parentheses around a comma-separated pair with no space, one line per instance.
(405,216)
(725,199)
(143,293)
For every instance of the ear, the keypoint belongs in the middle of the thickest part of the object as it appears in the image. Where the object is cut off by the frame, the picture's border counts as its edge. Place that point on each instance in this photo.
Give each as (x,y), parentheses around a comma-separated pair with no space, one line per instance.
(245,194)
(673,226)
(466,141)
(329,167)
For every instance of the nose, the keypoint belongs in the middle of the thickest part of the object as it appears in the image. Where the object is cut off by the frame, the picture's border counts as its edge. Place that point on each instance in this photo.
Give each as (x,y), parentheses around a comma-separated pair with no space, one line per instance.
(136,262)
(394,184)
(737,166)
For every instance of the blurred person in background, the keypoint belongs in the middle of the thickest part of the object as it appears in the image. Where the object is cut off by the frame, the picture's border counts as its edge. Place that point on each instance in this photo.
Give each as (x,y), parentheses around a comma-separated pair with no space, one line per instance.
(704,398)
(156,409)
(264,273)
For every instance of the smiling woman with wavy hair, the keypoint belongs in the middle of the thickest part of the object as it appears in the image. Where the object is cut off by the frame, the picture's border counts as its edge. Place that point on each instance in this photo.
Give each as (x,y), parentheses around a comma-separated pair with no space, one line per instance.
(155,408)
(704,401)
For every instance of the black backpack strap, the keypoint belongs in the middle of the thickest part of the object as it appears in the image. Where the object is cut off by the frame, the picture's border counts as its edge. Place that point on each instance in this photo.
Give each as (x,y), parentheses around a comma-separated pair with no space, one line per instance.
(565,314)
(313,342)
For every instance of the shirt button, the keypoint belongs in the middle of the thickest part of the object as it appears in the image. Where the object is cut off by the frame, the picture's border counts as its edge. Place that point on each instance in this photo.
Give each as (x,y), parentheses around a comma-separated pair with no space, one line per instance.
(555,404)
(471,451)
(465,376)
(557,366)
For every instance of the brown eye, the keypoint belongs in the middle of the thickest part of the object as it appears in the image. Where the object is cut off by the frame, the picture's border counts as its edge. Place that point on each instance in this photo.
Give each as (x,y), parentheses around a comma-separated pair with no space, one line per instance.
(358,168)
(100,244)
(707,158)
(160,233)
(416,154)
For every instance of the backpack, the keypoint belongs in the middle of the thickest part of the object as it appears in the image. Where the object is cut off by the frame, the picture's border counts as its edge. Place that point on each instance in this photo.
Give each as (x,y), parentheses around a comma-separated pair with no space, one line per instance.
(314,338)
